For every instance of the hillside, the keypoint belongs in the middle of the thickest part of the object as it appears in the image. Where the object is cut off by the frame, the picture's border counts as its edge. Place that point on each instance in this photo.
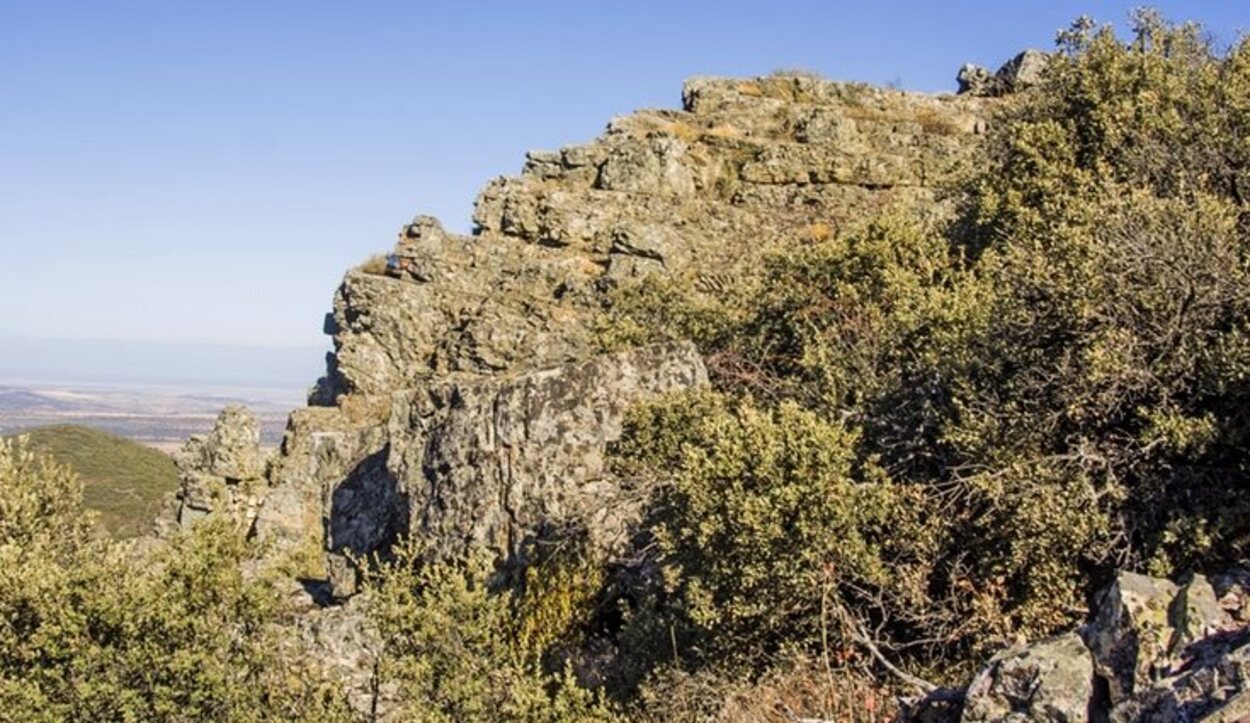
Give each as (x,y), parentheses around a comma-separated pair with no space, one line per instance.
(122,480)
(807,401)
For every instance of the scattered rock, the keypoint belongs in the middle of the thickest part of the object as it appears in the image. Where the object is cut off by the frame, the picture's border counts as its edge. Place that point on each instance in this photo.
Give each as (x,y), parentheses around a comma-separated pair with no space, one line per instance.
(1154,652)
(1052,680)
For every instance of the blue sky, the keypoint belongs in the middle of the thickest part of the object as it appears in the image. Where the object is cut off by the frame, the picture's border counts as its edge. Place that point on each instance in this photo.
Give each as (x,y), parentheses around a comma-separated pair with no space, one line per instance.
(205,171)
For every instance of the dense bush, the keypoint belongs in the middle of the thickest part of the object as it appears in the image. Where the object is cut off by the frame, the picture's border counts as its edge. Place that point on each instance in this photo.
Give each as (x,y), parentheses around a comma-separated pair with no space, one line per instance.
(972,421)
(456,647)
(94,630)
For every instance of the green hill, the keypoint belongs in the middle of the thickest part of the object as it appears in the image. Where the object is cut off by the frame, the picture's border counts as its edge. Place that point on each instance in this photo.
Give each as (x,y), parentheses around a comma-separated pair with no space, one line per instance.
(122,480)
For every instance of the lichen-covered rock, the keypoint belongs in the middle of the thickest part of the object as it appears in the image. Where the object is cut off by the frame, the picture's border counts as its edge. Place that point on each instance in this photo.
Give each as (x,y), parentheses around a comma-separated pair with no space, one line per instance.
(495,463)
(223,470)
(1131,634)
(1022,72)
(1051,681)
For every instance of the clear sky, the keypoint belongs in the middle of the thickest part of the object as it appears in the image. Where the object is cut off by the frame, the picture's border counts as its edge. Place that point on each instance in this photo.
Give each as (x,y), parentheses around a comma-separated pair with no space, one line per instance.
(191,170)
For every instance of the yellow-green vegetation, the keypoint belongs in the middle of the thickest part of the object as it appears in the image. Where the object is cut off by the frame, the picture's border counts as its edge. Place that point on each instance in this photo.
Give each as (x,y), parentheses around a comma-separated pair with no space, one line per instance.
(456,646)
(93,630)
(930,437)
(925,438)
(125,482)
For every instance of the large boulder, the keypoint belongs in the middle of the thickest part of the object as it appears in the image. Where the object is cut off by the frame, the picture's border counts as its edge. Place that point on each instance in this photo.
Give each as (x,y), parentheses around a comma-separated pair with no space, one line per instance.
(495,464)
(1052,680)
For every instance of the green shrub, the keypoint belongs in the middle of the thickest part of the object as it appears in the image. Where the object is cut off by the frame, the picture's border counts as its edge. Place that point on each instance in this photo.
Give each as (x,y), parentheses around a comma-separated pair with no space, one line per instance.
(1051,383)
(457,650)
(91,630)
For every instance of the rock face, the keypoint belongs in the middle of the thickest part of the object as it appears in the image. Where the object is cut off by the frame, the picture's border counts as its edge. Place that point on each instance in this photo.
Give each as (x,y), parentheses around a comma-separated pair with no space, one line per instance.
(223,470)
(1153,651)
(496,463)
(468,402)
(1020,73)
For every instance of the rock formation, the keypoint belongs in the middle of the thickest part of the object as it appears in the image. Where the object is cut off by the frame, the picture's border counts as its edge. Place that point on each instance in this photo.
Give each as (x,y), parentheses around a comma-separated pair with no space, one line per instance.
(467,403)
(1153,651)
(1020,73)
(468,406)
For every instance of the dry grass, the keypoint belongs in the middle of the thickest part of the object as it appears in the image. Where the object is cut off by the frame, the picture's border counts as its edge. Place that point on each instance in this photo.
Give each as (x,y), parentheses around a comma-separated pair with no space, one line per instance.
(375,265)
(817,232)
(807,73)
(800,690)
(691,134)
(682,130)
(751,88)
(934,121)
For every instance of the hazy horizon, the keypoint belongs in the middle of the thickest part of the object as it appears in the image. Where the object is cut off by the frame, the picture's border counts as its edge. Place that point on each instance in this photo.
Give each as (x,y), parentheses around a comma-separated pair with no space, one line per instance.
(189,366)
(205,172)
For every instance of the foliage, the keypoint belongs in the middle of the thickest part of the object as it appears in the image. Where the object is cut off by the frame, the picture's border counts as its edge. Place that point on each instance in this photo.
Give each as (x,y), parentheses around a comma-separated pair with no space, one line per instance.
(123,481)
(458,650)
(997,409)
(93,630)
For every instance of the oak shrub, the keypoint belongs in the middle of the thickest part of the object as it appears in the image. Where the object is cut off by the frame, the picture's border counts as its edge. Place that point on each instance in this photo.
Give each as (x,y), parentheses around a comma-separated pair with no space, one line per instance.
(933,437)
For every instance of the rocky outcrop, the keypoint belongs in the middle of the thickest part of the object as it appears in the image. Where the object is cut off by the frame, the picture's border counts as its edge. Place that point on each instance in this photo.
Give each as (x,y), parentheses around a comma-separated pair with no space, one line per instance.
(469,403)
(1153,651)
(1020,73)
(431,417)
(223,470)
(746,166)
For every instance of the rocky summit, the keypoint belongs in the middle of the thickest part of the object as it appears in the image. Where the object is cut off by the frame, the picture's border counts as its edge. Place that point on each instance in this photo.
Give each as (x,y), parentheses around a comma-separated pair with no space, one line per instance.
(467,400)
(468,405)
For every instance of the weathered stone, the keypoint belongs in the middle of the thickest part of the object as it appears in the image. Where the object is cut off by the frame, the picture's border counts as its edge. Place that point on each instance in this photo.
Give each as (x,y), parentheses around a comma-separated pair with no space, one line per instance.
(1131,634)
(1052,680)
(223,470)
(492,463)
